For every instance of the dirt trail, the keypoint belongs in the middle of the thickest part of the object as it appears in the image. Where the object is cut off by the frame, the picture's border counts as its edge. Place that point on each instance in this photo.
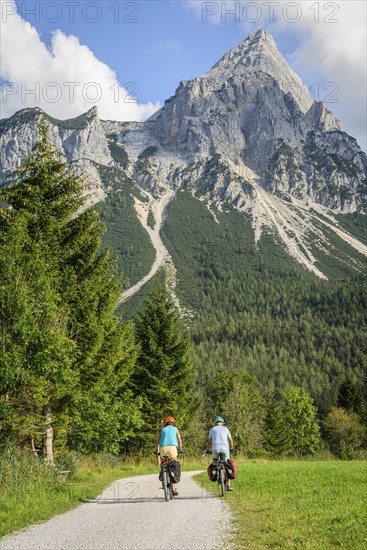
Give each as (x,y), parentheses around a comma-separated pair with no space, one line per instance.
(133,515)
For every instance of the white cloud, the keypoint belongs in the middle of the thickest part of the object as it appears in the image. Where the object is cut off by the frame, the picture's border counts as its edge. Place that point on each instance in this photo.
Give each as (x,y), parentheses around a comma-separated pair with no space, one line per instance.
(65,80)
(335,53)
(331,48)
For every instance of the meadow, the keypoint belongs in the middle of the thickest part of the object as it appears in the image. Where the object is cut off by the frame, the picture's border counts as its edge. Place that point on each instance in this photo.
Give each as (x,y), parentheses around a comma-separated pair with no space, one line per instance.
(299,504)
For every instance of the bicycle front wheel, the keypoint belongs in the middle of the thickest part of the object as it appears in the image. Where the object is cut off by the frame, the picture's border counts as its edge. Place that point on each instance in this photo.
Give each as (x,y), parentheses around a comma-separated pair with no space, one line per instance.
(166,486)
(222,481)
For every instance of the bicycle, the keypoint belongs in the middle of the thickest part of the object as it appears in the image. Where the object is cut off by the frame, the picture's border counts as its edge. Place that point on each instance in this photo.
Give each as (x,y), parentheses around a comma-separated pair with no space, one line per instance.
(166,481)
(222,477)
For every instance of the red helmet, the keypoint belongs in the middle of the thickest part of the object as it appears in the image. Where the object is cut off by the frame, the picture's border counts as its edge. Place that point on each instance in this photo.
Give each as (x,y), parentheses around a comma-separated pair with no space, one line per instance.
(169,420)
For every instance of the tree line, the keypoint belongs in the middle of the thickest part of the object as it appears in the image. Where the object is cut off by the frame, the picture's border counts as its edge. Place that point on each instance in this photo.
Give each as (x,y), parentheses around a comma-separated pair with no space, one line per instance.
(73,376)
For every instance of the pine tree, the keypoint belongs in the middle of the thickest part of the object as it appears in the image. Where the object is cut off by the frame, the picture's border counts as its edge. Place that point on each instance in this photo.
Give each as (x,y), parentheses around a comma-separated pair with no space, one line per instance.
(276,436)
(164,374)
(85,284)
(350,398)
(36,351)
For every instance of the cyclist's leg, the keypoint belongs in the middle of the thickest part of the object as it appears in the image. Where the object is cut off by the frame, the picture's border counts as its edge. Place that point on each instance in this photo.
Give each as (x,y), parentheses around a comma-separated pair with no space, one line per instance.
(226,457)
(215,455)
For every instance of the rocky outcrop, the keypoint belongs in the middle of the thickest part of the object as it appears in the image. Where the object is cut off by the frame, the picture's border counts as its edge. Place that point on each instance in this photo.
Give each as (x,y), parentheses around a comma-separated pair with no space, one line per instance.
(246,132)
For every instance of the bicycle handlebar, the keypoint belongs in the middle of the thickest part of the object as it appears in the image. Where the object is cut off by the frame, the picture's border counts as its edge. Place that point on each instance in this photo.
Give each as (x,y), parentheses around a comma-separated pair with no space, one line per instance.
(178,452)
(209,452)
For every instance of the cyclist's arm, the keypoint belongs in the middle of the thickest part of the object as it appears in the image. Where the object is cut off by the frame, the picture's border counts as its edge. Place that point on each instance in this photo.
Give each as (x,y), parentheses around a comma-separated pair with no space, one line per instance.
(179,440)
(209,445)
(158,441)
(230,441)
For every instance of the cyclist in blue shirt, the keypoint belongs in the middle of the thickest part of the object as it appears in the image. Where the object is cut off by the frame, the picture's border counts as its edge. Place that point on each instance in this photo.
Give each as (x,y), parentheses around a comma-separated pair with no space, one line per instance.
(168,441)
(220,439)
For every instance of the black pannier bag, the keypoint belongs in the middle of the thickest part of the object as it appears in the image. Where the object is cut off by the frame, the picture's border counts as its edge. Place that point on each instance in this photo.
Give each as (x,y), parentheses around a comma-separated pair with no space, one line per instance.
(174,471)
(231,469)
(212,471)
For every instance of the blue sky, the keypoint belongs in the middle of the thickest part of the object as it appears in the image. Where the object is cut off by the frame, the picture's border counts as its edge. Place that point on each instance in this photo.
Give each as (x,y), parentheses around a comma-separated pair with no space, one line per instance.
(154,44)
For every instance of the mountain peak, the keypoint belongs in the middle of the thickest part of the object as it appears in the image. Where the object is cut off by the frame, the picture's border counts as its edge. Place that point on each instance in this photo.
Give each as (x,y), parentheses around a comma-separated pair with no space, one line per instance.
(260,35)
(259,54)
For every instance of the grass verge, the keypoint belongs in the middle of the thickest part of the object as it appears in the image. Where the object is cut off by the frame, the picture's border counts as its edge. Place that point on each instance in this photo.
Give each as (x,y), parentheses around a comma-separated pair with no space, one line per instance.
(309,505)
(31,492)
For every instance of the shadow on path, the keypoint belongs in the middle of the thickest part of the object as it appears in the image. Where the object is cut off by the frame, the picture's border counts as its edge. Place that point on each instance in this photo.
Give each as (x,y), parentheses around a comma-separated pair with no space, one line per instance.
(145,499)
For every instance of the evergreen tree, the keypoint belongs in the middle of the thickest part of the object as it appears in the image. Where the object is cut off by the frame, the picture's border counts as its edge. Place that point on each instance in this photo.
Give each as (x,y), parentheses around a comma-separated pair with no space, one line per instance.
(86,287)
(164,374)
(276,436)
(36,351)
(350,398)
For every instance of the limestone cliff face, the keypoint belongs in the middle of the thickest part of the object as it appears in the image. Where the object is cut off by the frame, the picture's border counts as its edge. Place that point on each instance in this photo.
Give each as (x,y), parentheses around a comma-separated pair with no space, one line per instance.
(246,132)
(254,111)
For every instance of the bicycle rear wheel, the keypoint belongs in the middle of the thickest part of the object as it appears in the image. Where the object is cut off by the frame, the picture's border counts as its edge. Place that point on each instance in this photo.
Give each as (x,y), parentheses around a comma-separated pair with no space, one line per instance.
(166,486)
(222,481)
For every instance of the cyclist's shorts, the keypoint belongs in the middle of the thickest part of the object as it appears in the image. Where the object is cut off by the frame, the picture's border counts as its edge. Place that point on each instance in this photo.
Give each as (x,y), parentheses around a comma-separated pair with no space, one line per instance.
(215,454)
(169,450)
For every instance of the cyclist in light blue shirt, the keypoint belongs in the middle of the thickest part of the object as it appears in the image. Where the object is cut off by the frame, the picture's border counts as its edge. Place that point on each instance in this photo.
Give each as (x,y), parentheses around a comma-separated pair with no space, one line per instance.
(168,442)
(220,439)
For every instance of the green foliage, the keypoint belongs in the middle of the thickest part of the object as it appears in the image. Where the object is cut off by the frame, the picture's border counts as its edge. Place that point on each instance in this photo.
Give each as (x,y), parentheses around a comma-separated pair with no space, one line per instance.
(118,154)
(163,375)
(125,235)
(77,123)
(67,289)
(344,432)
(355,223)
(31,491)
(350,397)
(36,349)
(276,430)
(254,303)
(148,152)
(243,408)
(300,421)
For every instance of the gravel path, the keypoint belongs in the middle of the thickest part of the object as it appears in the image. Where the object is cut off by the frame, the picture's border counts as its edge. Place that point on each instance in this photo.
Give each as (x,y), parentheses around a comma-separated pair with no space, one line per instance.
(133,515)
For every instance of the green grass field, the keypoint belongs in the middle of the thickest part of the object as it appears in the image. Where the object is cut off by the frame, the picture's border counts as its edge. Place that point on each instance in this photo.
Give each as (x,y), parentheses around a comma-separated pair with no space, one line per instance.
(299,504)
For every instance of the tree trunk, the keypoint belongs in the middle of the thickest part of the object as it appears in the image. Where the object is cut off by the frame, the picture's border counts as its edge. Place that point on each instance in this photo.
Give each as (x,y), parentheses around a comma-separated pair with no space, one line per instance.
(48,455)
(34,450)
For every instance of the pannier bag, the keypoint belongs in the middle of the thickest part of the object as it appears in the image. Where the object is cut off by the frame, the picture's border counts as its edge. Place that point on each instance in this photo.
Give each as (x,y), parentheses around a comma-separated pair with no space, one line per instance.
(212,472)
(231,469)
(174,471)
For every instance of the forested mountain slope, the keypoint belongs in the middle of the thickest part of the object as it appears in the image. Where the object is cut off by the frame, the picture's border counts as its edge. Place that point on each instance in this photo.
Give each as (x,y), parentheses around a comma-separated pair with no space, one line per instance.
(265,235)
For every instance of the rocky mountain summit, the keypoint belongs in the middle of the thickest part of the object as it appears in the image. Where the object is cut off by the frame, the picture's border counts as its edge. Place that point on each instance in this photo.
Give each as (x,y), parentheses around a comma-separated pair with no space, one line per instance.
(246,133)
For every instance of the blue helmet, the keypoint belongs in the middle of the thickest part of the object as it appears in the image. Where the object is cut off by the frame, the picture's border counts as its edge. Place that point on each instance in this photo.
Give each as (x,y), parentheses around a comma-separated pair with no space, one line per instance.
(218,419)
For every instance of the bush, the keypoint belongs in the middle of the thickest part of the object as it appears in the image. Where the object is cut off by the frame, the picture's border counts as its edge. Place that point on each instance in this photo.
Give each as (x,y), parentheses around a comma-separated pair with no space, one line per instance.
(344,432)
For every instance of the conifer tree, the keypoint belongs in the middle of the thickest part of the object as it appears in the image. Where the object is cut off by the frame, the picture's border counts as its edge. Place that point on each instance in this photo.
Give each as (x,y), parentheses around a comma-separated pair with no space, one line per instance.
(36,352)
(350,398)
(276,436)
(164,374)
(83,280)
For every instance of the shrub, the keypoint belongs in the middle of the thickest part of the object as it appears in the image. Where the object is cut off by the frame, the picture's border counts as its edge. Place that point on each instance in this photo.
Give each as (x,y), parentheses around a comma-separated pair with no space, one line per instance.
(345,433)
